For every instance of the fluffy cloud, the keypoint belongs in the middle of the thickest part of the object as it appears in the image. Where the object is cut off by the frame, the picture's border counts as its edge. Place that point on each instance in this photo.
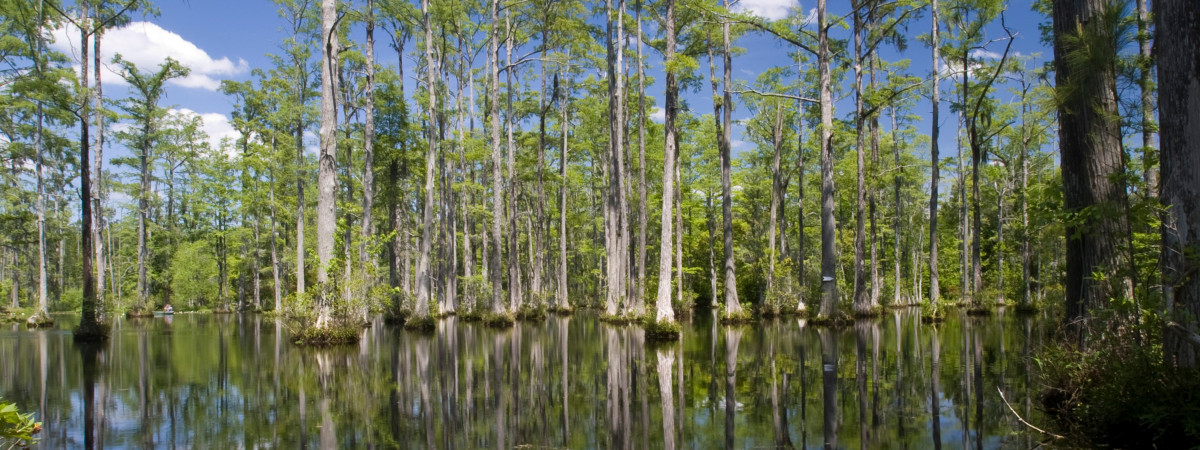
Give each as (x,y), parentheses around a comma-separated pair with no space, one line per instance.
(658,115)
(215,125)
(767,9)
(147,45)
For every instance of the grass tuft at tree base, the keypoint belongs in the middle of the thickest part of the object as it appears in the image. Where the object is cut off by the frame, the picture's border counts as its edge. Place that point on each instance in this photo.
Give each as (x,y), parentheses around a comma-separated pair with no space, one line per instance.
(139,312)
(562,310)
(327,336)
(660,330)
(1026,309)
(837,320)
(531,313)
(421,324)
(499,320)
(745,315)
(619,318)
(868,312)
(1120,394)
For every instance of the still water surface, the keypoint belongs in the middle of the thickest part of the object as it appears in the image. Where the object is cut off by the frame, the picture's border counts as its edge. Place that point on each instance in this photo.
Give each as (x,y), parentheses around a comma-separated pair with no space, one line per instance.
(234,381)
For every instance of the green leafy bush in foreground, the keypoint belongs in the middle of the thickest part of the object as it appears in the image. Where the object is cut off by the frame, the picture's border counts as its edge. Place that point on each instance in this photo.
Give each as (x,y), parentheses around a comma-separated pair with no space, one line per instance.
(16,429)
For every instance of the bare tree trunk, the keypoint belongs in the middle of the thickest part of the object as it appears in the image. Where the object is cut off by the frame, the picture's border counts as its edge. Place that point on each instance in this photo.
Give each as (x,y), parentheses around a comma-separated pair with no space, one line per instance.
(423,278)
(934,160)
(327,165)
(565,103)
(274,254)
(89,325)
(776,192)
(98,186)
(663,309)
(497,200)
(639,300)
(732,306)
(862,301)
(368,180)
(1149,154)
(1178,24)
(896,294)
(829,294)
(615,229)
(515,291)
(1092,166)
(801,242)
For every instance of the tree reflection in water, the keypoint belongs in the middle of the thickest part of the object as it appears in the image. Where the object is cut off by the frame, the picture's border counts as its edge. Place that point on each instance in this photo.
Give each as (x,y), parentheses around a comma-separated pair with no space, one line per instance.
(565,382)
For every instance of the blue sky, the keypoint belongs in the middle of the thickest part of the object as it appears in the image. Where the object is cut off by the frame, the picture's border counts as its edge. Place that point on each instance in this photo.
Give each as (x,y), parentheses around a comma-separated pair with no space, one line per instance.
(224,39)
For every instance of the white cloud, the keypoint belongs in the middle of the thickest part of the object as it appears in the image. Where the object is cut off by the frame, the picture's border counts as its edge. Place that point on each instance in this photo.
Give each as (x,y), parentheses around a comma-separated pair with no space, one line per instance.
(147,45)
(767,9)
(215,125)
(984,54)
(658,115)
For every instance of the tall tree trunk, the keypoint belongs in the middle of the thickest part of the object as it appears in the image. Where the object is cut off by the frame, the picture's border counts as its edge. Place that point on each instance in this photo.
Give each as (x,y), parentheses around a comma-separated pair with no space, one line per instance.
(1023,198)
(862,301)
(515,291)
(934,159)
(497,200)
(829,294)
(1092,166)
(423,262)
(327,165)
(1146,85)
(89,324)
(368,180)
(896,295)
(143,245)
(639,300)
(732,306)
(1178,24)
(565,104)
(98,186)
(663,309)
(801,241)
(776,192)
(275,275)
(615,229)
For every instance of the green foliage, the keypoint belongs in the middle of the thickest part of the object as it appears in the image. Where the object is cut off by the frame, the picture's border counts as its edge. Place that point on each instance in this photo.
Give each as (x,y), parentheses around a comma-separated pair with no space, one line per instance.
(326,336)
(194,276)
(16,429)
(660,330)
(1120,394)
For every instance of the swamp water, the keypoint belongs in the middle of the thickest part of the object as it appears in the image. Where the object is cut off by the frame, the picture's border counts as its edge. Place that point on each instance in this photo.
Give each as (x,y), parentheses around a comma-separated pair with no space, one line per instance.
(234,381)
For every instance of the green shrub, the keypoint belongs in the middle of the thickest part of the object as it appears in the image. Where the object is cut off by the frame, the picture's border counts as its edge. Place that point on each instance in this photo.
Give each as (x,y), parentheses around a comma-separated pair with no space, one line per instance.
(1120,394)
(660,330)
(339,334)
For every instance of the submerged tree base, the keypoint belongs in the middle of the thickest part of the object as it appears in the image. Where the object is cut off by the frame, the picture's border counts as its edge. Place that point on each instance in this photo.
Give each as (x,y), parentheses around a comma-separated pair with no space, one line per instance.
(620,318)
(499,320)
(837,320)
(421,324)
(135,312)
(91,333)
(980,309)
(531,313)
(657,330)
(868,312)
(1120,394)
(565,310)
(327,336)
(743,315)
(1026,309)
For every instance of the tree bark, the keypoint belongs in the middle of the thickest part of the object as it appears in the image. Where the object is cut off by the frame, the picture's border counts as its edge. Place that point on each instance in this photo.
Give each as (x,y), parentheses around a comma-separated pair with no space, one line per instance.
(565,103)
(327,165)
(829,294)
(732,305)
(497,200)
(1092,166)
(642,219)
(89,324)
(1178,25)
(423,262)
(663,309)
(1145,84)
(616,233)
(862,301)
(776,192)
(934,158)
(368,181)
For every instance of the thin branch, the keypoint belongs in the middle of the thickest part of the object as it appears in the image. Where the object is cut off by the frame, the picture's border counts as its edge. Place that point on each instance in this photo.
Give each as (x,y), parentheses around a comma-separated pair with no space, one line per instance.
(1010,408)
(774,94)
